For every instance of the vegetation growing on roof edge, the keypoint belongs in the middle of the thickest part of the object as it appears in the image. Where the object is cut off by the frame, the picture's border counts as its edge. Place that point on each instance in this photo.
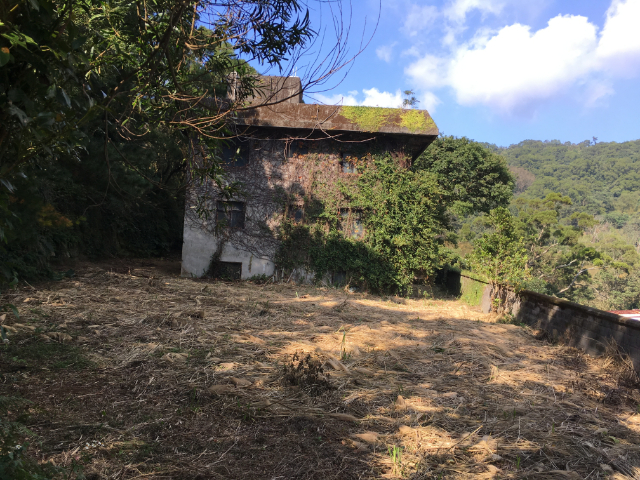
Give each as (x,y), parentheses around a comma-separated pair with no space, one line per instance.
(371,119)
(416,121)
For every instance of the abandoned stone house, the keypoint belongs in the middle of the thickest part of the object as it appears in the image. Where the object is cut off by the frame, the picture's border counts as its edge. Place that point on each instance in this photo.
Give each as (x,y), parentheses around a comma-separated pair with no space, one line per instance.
(283,157)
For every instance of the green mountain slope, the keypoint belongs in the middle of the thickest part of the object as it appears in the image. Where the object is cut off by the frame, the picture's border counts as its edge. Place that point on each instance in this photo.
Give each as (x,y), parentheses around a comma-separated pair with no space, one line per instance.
(602,180)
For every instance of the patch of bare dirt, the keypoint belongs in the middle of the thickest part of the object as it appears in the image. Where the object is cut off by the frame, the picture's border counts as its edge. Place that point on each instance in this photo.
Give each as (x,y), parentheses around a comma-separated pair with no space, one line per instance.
(137,373)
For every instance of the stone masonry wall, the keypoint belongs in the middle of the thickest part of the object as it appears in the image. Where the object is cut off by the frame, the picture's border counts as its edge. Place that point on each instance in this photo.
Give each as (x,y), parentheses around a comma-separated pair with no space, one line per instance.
(285,171)
(586,328)
(577,325)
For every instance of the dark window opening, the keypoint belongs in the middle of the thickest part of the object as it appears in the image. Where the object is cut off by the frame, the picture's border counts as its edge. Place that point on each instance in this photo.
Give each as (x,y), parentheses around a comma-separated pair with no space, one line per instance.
(339,278)
(348,164)
(225,270)
(234,155)
(296,213)
(298,147)
(230,214)
(351,223)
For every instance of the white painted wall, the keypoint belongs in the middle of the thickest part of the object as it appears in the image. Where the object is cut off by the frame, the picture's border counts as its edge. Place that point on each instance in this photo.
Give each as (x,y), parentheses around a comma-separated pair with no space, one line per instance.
(198,247)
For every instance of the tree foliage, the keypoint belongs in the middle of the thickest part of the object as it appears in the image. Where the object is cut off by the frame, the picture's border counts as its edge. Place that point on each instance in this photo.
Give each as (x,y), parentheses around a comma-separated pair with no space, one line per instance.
(597,178)
(64,63)
(557,261)
(103,106)
(501,255)
(577,211)
(407,218)
(405,227)
(473,177)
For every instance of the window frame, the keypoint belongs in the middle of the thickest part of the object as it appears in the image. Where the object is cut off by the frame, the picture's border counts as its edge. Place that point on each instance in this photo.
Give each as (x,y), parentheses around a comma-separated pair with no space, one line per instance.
(293,210)
(351,223)
(225,215)
(348,164)
(297,148)
(239,159)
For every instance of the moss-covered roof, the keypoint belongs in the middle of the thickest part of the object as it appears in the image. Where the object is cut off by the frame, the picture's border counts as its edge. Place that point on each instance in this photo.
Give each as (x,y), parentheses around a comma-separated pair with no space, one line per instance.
(341,118)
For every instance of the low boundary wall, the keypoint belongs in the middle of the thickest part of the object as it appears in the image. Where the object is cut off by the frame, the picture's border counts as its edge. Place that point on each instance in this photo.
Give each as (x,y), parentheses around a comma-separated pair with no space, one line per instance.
(576,325)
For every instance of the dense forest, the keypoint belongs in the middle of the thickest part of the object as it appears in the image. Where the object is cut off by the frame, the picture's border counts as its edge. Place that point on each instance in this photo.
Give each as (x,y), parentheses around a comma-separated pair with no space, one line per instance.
(577,209)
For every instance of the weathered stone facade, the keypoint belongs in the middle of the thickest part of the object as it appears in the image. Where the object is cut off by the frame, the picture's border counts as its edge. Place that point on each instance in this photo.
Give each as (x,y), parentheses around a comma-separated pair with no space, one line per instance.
(284,158)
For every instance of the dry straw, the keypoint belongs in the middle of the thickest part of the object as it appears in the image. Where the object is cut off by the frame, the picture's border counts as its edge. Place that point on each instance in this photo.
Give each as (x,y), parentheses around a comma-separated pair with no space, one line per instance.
(195,379)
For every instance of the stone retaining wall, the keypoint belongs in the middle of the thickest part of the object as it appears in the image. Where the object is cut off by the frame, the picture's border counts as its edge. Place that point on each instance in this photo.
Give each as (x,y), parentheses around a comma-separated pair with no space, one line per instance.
(576,325)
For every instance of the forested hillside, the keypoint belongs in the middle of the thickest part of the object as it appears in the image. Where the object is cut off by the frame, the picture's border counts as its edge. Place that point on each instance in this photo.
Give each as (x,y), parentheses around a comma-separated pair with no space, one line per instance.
(602,179)
(577,207)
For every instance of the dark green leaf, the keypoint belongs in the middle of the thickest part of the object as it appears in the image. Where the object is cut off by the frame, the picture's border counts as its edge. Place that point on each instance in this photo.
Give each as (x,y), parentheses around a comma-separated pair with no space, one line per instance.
(14,310)
(5,56)
(78,42)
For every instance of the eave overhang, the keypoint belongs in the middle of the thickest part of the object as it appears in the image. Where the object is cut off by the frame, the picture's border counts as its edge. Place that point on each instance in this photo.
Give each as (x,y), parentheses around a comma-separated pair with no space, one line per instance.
(415,126)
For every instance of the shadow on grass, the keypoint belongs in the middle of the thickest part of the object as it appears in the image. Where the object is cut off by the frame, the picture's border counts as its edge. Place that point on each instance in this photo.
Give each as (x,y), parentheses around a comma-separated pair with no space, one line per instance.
(34,354)
(429,389)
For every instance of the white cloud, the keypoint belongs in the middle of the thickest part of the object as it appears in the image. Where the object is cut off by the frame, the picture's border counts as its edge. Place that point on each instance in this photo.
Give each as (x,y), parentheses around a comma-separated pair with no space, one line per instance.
(336,99)
(384,52)
(458,9)
(516,66)
(619,46)
(514,69)
(372,98)
(412,51)
(429,71)
(596,93)
(429,101)
(375,98)
(456,14)
(420,18)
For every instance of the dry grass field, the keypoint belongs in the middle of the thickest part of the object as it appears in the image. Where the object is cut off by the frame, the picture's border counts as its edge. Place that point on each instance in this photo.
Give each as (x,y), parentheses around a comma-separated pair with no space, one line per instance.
(136,373)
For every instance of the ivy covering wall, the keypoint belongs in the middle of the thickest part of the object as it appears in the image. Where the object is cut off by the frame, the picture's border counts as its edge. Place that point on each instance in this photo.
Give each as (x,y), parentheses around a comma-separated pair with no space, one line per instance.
(405,222)
(355,209)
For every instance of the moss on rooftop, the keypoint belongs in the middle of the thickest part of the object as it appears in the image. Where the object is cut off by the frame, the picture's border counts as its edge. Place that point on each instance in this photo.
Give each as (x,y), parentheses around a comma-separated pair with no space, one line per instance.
(416,121)
(371,119)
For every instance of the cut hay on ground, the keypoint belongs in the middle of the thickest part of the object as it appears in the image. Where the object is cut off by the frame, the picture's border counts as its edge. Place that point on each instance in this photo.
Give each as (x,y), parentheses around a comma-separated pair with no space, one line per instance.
(138,373)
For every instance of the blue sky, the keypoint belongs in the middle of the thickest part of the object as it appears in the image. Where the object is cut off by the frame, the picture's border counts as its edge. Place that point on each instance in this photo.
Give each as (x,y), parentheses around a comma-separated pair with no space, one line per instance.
(500,71)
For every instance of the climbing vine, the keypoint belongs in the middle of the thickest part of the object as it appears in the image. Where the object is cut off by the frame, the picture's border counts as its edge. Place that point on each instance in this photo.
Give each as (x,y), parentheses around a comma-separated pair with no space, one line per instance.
(405,224)
(349,211)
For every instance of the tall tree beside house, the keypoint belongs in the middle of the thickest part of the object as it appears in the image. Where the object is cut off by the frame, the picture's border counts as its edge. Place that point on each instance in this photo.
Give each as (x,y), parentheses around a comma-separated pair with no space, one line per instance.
(473,178)
(405,219)
(412,213)
(89,90)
